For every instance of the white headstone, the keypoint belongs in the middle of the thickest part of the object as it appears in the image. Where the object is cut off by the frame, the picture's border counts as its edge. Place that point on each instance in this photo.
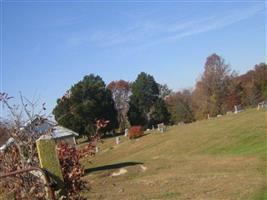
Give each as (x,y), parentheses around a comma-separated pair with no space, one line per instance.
(117,140)
(236,110)
(126,132)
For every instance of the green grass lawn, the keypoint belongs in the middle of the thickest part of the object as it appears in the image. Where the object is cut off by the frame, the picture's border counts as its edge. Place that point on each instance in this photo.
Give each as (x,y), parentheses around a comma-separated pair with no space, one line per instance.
(222,158)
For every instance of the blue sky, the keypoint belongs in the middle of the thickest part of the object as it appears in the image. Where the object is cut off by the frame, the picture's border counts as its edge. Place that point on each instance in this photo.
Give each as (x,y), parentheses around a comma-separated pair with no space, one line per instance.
(48,46)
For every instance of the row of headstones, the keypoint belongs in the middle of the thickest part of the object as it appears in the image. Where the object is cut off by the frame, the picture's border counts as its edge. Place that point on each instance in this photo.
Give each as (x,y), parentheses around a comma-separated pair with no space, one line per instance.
(262,105)
(161,127)
(238,109)
(117,141)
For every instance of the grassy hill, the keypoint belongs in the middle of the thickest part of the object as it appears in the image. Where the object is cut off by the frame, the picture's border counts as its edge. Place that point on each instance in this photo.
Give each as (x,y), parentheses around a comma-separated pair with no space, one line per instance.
(222,158)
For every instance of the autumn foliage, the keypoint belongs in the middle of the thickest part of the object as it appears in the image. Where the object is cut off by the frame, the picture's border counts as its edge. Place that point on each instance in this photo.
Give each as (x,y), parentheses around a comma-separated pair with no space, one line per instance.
(69,158)
(135,132)
(72,171)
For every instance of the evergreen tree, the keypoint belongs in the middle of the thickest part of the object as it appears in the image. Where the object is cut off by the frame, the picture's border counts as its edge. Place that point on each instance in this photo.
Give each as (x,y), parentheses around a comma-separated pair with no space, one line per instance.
(85,102)
(146,107)
(160,113)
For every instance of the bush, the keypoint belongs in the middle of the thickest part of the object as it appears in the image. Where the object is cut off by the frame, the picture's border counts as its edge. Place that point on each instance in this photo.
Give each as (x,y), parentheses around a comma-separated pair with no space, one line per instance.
(135,132)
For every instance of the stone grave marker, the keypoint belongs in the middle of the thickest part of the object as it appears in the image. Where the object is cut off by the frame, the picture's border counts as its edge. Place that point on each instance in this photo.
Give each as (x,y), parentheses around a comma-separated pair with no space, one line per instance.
(262,105)
(96,149)
(161,127)
(46,149)
(126,132)
(238,109)
(117,140)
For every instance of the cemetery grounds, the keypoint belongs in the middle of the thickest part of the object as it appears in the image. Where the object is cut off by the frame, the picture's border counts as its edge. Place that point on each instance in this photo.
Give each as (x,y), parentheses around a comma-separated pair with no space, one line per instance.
(218,159)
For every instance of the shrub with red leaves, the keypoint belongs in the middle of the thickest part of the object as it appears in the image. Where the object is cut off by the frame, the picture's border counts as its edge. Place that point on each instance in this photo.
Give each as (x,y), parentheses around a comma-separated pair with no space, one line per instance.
(135,132)
(72,171)
(71,168)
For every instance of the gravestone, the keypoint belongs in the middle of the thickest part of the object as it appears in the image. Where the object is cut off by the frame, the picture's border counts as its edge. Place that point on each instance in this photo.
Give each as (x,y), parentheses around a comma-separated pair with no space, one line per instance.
(238,109)
(262,105)
(117,140)
(161,127)
(96,149)
(46,149)
(126,132)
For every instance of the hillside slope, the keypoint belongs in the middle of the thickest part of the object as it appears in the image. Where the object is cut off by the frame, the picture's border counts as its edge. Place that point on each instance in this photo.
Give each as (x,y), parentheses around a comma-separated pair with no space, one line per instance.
(222,158)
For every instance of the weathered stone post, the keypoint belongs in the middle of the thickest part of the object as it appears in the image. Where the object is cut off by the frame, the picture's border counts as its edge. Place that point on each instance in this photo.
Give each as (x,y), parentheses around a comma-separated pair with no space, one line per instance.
(117,140)
(126,132)
(96,149)
(46,149)
(236,110)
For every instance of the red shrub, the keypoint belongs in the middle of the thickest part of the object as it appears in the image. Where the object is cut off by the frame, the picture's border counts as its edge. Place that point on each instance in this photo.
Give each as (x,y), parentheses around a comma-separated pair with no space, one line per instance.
(135,131)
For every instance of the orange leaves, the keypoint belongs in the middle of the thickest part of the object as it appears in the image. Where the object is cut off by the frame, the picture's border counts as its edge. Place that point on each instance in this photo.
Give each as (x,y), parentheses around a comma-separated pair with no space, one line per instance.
(135,131)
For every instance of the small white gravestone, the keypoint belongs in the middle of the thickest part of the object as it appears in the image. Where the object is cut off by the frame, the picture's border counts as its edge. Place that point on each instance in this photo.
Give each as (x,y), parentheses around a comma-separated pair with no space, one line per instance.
(117,140)
(126,132)
(262,105)
(208,116)
(238,109)
(153,128)
(161,127)
(96,149)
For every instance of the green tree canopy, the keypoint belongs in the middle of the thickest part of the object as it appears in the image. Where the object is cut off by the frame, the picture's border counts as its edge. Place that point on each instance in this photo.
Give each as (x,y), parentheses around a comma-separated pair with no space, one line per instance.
(136,115)
(146,90)
(145,106)
(160,113)
(85,102)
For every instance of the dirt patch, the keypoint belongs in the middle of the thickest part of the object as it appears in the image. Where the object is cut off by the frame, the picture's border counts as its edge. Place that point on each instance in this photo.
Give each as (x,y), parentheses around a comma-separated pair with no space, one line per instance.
(144,168)
(120,172)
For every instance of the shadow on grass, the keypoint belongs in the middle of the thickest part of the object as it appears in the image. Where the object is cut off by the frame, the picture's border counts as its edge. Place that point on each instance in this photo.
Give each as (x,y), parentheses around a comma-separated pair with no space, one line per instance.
(112,166)
(113,136)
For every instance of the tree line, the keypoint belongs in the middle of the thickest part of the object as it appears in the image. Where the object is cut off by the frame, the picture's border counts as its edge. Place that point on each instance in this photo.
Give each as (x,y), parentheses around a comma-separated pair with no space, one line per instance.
(146,102)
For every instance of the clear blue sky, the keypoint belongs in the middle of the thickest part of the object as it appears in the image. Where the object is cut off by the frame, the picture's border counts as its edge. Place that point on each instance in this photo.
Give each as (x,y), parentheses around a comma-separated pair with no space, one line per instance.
(48,46)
